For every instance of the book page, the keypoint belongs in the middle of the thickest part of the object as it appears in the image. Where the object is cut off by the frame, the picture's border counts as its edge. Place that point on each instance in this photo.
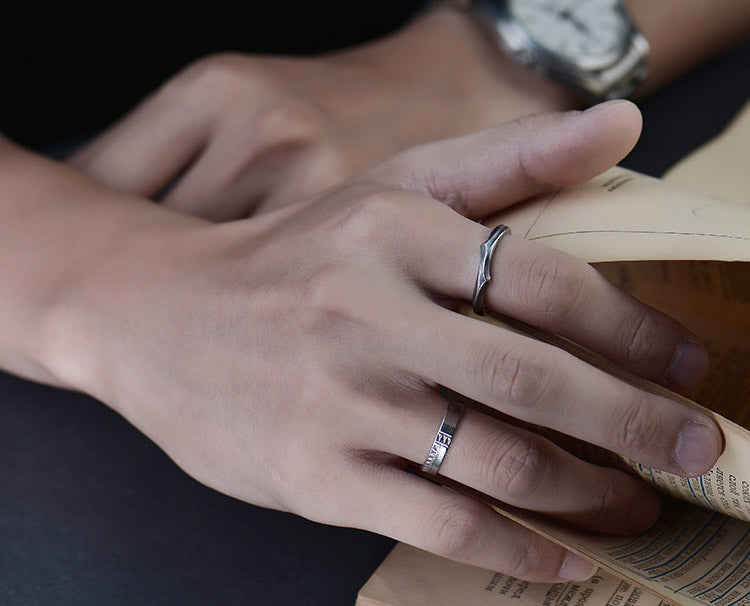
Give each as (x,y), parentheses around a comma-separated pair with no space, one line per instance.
(691,556)
(411,577)
(625,216)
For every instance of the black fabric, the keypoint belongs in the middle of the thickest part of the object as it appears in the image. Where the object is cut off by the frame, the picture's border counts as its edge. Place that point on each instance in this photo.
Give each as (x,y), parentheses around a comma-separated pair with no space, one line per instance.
(72,66)
(691,111)
(91,512)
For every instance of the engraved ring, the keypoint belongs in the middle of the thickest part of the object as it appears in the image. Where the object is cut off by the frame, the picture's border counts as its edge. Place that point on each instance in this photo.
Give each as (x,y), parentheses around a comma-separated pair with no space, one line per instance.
(483,273)
(443,439)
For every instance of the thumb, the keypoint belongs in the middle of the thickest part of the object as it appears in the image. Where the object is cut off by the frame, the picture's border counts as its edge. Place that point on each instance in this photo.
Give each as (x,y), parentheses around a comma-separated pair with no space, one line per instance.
(481,173)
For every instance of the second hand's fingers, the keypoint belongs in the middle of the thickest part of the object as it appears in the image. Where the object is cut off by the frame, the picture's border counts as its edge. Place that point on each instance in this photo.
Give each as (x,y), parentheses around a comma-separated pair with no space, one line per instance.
(439,520)
(147,149)
(231,178)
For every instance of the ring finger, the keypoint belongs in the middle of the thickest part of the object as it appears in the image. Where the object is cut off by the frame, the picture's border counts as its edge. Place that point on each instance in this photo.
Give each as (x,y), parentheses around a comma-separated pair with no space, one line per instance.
(524,469)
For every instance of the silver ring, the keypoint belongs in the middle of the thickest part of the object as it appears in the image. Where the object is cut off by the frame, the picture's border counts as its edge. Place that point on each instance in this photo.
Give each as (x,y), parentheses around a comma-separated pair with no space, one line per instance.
(483,273)
(443,439)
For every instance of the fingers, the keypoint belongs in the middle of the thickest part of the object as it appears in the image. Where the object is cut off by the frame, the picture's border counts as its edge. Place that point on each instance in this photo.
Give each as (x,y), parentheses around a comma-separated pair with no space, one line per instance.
(541,287)
(218,164)
(480,173)
(546,386)
(231,179)
(563,295)
(436,519)
(525,470)
(147,149)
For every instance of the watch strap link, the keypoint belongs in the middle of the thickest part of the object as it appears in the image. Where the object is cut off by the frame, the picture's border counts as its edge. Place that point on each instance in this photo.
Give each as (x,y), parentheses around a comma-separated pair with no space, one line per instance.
(620,80)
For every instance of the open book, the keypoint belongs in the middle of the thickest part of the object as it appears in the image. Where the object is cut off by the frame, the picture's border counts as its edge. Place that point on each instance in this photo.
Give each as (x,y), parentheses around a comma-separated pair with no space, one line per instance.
(688,254)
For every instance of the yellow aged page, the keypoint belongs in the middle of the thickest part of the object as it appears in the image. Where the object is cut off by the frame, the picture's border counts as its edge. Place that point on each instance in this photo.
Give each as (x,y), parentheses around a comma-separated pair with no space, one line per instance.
(622,215)
(690,557)
(411,577)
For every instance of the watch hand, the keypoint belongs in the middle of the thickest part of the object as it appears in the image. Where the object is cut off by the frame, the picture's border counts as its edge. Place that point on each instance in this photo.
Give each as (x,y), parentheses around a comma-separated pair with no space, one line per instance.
(569,14)
(570,11)
(579,25)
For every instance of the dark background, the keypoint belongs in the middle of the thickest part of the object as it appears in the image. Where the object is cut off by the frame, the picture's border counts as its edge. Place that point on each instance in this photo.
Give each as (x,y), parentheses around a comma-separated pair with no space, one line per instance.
(71,67)
(91,512)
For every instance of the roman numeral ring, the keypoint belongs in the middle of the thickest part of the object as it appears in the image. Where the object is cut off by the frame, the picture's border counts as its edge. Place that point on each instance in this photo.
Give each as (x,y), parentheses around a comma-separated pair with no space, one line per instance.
(443,439)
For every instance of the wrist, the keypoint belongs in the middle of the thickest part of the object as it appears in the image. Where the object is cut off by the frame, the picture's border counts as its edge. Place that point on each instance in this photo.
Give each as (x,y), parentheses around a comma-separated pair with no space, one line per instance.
(507,89)
(446,57)
(94,334)
(66,244)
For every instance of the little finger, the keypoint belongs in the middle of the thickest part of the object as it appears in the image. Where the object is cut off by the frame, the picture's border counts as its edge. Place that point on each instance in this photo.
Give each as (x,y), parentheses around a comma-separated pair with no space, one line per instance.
(436,519)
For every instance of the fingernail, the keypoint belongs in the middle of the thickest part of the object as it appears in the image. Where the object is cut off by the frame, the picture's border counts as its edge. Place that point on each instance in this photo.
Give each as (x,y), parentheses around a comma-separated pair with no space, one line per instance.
(697,449)
(576,568)
(605,105)
(646,510)
(688,366)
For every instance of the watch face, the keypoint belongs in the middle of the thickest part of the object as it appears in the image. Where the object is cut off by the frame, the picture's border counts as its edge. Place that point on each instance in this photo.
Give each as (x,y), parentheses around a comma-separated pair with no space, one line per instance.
(576,30)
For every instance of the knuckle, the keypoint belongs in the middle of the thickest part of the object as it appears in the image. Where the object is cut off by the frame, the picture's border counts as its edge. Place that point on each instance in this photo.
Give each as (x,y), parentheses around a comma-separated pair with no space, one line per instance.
(216,76)
(457,529)
(327,167)
(528,560)
(518,380)
(527,162)
(288,478)
(534,164)
(371,217)
(638,428)
(605,503)
(415,170)
(289,121)
(641,336)
(513,466)
(551,284)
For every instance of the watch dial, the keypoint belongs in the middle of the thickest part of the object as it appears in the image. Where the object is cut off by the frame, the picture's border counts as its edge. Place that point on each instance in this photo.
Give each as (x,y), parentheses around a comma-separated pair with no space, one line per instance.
(575,29)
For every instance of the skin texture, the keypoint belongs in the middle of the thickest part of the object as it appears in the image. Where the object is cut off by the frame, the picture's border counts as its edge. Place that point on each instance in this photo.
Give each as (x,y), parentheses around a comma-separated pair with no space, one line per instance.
(234,135)
(291,359)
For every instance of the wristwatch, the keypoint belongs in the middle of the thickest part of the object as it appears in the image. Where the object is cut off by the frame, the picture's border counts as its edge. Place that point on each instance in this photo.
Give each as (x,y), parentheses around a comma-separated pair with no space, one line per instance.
(590,46)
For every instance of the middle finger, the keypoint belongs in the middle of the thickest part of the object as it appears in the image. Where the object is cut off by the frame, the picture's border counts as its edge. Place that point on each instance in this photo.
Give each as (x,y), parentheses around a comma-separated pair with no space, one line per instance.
(553,291)
(547,386)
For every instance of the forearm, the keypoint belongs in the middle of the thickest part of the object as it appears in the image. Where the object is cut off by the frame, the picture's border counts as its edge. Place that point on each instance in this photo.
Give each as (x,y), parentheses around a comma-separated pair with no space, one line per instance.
(57,228)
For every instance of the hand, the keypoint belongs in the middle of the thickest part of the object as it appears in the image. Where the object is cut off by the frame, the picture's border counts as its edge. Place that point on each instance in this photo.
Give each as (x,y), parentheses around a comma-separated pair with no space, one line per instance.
(291,360)
(236,135)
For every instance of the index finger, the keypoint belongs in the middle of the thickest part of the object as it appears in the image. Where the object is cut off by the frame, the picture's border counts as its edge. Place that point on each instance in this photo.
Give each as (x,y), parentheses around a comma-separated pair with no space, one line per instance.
(481,173)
